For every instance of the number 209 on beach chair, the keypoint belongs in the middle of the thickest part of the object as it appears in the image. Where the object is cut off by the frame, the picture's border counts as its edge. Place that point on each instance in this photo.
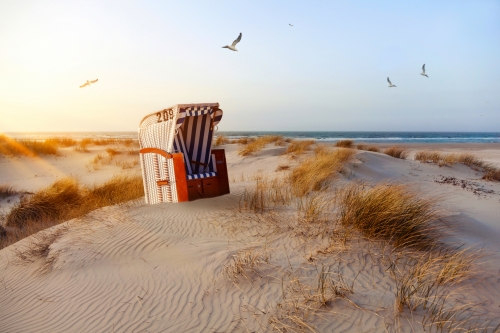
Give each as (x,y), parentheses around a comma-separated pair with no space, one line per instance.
(177,160)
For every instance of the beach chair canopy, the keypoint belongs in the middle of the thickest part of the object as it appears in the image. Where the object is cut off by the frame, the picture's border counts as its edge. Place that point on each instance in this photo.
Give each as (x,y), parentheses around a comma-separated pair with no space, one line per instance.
(185,128)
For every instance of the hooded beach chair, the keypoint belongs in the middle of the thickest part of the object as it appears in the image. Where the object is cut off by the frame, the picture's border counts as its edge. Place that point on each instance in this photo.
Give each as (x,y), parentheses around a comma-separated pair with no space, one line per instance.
(177,160)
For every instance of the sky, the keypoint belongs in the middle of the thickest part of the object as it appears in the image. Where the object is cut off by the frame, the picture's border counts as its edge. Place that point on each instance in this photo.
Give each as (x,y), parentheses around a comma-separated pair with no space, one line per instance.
(326,73)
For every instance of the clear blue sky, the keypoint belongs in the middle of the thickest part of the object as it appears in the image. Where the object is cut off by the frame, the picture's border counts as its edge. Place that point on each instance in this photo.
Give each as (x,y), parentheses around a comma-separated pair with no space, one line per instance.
(327,72)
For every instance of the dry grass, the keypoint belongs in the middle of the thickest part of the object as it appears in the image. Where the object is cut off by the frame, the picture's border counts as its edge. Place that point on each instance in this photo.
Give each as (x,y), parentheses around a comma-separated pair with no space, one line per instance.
(266,194)
(50,146)
(53,202)
(243,263)
(428,156)
(394,217)
(6,191)
(282,167)
(82,146)
(373,148)
(391,216)
(366,147)
(317,172)
(62,141)
(243,141)
(132,151)
(390,212)
(100,159)
(14,235)
(301,303)
(299,146)
(330,288)
(396,152)
(3,233)
(490,172)
(113,152)
(107,142)
(313,208)
(426,280)
(119,189)
(221,140)
(344,143)
(127,164)
(12,147)
(39,248)
(259,143)
(442,159)
(67,199)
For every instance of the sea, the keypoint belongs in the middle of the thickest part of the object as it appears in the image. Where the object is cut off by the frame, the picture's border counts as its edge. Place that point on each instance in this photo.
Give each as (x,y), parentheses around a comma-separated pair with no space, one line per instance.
(366,137)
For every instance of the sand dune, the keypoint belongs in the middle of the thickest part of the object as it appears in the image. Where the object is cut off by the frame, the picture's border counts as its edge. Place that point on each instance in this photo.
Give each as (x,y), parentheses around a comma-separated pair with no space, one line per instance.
(167,267)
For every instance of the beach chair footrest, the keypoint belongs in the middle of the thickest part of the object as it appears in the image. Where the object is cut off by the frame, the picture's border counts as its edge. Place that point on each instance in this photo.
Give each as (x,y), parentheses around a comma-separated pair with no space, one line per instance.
(202,175)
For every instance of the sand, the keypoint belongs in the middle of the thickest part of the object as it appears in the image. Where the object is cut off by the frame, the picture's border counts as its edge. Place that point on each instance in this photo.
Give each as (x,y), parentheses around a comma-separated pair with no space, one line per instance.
(166,267)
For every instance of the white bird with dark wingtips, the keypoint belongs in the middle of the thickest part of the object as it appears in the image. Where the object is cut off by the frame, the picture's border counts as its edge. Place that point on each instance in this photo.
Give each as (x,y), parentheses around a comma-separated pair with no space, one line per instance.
(290,24)
(390,83)
(232,47)
(423,71)
(88,83)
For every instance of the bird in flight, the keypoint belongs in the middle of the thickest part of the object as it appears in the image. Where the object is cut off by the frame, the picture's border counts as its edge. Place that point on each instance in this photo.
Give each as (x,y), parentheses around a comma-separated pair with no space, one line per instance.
(232,47)
(88,83)
(290,24)
(423,71)
(390,83)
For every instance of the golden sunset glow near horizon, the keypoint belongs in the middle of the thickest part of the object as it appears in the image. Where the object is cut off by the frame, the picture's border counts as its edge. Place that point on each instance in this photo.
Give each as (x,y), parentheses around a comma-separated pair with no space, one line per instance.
(327,72)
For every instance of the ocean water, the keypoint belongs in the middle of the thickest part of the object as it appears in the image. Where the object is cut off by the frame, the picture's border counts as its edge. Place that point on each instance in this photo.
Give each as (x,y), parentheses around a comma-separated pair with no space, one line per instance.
(368,137)
(382,137)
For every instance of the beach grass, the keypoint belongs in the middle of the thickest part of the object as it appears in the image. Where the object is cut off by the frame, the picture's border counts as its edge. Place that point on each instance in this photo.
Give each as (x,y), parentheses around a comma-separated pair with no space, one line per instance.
(391,212)
(298,147)
(66,199)
(397,220)
(256,145)
(221,140)
(62,141)
(84,144)
(318,171)
(396,152)
(243,140)
(243,263)
(50,146)
(6,191)
(54,202)
(344,143)
(442,159)
(490,171)
(127,164)
(13,147)
(283,167)
(266,194)
(362,146)
(424,279)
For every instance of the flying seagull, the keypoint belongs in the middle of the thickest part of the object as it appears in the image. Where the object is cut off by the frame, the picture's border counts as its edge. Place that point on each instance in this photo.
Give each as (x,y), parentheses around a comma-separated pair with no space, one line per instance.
(290,24)
(390,83)
(423,71)
(232,47)
(88,83)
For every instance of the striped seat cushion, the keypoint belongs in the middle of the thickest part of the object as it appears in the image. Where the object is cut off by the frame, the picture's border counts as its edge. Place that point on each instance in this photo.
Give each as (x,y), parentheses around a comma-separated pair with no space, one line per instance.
(202,175)
(194,140)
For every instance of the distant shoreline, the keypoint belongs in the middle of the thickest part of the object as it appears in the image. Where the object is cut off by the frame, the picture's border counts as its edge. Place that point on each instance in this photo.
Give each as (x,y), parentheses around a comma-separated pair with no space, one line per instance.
(368,137)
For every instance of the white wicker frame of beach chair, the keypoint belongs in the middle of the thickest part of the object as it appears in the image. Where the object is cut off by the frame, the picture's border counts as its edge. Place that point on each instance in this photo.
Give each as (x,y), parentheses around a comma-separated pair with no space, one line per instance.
(177,160)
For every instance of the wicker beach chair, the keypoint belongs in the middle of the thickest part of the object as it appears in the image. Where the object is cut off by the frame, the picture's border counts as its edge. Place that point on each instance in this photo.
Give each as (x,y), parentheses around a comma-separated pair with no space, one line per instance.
(177,160)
